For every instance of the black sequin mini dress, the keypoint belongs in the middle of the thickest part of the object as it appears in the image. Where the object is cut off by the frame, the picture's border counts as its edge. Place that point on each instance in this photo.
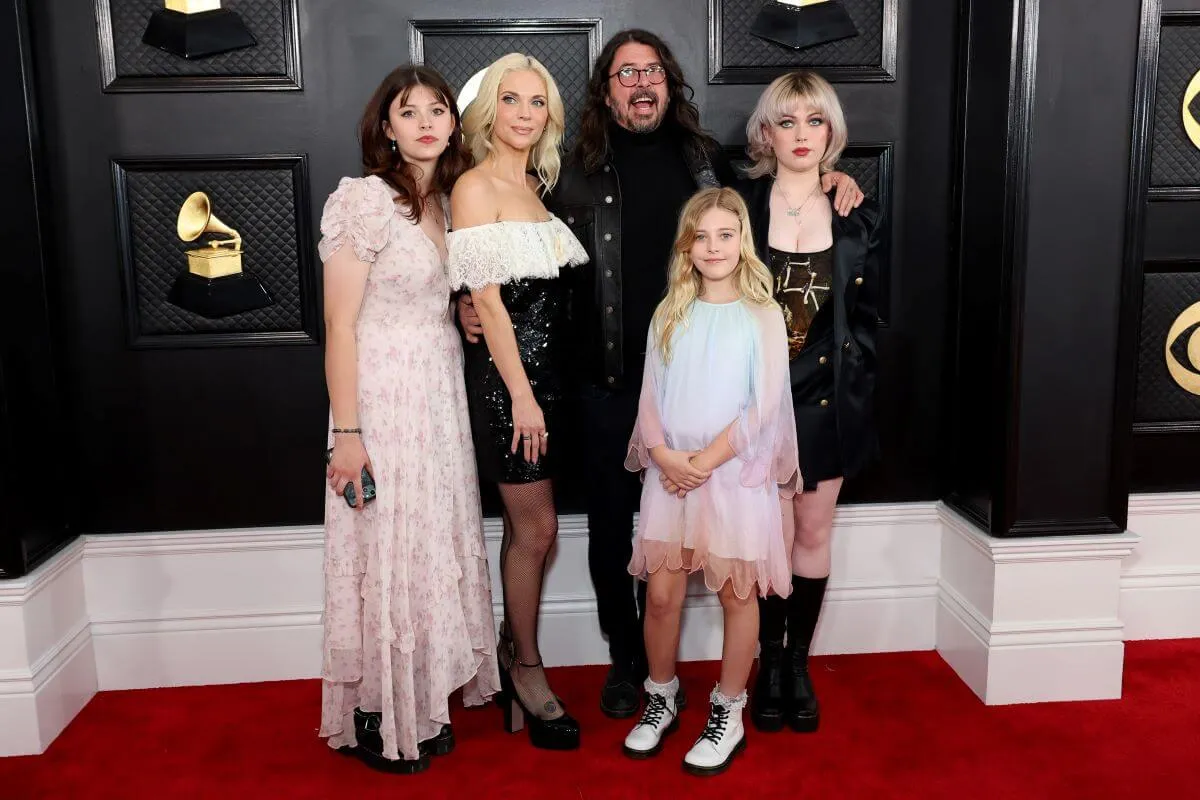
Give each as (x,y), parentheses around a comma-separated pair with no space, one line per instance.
(524,260)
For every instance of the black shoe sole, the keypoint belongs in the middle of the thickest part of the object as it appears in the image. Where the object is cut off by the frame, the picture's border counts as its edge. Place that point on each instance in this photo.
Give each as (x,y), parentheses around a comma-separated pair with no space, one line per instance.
(767,723)
(642,755)
(708,772)
(617,713)
(381,764)
(552,741)
(804,724)
(440,745)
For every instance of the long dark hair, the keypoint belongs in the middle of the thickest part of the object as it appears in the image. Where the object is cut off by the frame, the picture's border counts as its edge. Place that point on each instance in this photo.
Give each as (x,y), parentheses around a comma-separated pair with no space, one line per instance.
(592,144)
(377,155)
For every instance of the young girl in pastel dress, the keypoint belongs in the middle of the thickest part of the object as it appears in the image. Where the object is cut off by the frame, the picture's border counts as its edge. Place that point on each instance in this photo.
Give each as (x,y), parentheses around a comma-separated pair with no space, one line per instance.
(715,424)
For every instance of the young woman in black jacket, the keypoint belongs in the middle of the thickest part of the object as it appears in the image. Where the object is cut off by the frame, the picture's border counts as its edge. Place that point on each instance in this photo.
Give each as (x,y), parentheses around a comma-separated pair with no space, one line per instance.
(826,270)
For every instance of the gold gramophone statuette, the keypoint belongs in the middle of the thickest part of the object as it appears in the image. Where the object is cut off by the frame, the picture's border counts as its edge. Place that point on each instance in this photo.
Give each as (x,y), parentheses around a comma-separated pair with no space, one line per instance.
(219,257)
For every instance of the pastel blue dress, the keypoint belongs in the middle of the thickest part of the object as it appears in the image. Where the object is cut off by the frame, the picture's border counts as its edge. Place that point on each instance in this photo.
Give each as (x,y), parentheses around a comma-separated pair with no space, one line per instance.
(727,368)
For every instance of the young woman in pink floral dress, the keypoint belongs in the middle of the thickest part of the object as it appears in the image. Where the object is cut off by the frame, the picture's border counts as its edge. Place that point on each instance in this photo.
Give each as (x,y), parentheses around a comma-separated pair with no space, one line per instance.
(408,607)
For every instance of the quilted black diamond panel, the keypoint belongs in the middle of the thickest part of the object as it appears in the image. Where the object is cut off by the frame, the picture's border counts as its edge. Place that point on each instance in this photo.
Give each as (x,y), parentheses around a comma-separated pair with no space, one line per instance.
(737,56)
(128,65)
(460,48)
(1174,160)
(264,199)
(1165,296)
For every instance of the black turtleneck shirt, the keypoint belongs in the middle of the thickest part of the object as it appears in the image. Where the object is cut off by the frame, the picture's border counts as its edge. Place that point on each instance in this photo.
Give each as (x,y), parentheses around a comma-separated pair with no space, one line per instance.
(655,183)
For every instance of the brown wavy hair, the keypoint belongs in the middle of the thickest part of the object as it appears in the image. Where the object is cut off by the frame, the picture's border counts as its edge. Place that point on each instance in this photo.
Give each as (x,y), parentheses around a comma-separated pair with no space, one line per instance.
(592,145)
(377,155)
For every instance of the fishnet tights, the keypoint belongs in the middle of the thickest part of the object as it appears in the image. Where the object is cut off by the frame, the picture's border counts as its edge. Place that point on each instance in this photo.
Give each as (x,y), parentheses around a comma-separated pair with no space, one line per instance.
(530,528)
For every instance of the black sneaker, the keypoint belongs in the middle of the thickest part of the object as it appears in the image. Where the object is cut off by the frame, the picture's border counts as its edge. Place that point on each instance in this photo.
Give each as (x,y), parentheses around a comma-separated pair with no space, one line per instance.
(621,696)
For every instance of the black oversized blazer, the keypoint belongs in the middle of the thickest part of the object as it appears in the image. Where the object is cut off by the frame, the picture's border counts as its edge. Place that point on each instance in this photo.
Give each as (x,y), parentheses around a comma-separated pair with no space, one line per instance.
(847,364)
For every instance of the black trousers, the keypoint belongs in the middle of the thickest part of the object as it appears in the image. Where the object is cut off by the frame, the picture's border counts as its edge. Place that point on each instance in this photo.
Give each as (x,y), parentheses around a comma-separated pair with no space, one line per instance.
(612,496)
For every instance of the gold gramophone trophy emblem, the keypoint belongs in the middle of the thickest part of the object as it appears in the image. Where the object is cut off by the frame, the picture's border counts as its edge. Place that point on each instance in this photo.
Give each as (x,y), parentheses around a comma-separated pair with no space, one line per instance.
(222,256)
(214,284)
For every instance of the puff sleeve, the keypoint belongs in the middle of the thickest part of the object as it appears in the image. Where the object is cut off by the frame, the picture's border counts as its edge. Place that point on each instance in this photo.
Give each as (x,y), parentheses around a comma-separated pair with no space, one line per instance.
(359,212)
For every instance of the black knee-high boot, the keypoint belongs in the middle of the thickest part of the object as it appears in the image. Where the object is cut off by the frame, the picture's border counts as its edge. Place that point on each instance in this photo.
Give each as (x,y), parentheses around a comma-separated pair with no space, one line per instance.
(766,702)
(803,609)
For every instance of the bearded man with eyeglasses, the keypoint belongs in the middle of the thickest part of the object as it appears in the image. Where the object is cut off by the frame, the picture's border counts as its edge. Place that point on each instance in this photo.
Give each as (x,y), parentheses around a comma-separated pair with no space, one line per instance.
(640,155)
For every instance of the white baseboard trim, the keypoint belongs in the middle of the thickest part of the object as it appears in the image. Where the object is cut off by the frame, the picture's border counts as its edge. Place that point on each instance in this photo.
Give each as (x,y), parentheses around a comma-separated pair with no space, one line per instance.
(208,607)
(1033,619)
(208,650)
(192,608)
(47,667)
(1160,583)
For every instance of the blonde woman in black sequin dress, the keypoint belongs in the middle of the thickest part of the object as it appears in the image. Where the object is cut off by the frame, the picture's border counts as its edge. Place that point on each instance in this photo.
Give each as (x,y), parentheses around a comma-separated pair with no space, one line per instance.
(507,250)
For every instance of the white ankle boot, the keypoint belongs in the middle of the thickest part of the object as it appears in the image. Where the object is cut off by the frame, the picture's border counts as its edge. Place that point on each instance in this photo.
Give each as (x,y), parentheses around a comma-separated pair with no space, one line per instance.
(660,717)
(722,739)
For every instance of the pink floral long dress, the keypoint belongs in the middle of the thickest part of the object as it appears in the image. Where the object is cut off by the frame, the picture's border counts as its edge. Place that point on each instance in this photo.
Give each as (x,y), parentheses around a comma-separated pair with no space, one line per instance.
(408,604)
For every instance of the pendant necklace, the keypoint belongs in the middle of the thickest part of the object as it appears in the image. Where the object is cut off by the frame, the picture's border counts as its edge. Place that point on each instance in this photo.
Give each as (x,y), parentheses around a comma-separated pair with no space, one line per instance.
(796,211)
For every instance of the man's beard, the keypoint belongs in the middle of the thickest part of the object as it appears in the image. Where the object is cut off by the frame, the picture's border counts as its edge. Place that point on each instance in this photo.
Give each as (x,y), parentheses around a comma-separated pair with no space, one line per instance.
(625,117)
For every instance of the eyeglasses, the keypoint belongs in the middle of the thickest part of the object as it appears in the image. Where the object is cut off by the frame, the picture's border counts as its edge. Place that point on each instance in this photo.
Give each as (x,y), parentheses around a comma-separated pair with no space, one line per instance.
(629,76)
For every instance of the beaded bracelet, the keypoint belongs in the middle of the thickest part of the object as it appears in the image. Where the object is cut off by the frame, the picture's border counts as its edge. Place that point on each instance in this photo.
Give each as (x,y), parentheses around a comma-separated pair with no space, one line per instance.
(348,430)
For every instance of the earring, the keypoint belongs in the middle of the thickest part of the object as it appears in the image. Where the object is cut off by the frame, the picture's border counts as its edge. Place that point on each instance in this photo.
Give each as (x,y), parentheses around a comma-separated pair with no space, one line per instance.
(394,148)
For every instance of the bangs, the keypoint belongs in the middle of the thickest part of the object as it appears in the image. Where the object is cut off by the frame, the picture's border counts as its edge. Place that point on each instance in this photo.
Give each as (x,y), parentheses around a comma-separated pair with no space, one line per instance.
(797,95)
(407,90)
(796,98)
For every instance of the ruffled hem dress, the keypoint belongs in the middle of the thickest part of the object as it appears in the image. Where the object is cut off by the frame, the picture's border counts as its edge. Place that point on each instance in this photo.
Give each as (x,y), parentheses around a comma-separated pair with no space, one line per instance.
(408,604)
(728,368)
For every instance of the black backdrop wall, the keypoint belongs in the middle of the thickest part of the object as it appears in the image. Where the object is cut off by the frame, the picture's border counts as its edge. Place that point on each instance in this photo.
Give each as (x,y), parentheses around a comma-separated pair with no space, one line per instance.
(179,423)
(191,434)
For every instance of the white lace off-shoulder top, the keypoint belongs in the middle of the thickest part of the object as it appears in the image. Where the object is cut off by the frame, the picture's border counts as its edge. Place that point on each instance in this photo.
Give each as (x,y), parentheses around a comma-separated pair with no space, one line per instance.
(506,251)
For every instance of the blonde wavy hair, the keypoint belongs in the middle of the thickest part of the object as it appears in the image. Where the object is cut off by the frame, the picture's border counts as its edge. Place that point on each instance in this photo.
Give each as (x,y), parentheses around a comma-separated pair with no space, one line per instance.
(480,117)
(791,94)
(684,281)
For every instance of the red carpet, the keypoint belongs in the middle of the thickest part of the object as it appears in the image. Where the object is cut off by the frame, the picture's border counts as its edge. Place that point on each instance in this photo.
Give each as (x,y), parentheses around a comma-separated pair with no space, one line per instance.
(898,725)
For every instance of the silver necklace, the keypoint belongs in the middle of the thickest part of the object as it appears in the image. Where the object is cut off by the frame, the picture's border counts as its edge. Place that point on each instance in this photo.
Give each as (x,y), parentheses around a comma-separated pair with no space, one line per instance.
(796,211)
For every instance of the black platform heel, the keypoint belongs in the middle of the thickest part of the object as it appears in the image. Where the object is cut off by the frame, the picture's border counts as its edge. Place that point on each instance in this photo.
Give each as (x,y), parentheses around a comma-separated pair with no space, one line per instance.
(561,733)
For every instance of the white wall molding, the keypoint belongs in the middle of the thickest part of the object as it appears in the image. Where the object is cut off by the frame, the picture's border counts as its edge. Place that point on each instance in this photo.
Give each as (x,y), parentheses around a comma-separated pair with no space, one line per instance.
(19,591)
(47,666)
(1160,585)
(241,540)
(205,607)
(1034,619)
